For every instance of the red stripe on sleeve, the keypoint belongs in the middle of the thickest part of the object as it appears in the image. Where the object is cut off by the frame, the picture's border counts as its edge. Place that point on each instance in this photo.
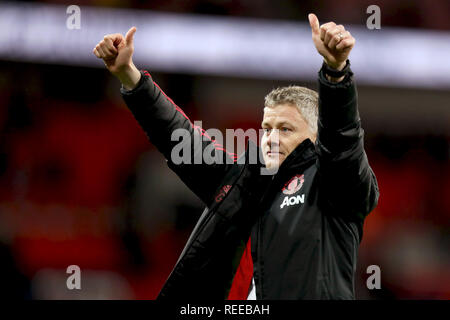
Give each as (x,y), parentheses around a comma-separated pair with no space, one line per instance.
(202,131)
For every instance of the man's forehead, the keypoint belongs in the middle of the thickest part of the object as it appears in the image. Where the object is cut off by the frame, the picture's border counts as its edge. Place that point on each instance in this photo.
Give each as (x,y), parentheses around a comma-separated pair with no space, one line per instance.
(281,113)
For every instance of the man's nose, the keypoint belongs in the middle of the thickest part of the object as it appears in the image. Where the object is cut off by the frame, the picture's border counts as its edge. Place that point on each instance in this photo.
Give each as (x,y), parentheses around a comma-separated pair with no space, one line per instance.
(274,138)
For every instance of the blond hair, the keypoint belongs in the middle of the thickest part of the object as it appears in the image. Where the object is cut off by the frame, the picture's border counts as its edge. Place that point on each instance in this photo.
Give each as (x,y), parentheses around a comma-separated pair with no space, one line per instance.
(306,100)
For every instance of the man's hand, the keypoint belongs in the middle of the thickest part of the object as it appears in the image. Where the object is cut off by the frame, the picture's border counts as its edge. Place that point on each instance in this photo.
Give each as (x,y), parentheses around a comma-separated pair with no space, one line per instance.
(116,52)
(332,41)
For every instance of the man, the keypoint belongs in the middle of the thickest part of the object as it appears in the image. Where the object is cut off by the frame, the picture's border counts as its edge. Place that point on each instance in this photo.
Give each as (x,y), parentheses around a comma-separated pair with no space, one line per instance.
(295,233)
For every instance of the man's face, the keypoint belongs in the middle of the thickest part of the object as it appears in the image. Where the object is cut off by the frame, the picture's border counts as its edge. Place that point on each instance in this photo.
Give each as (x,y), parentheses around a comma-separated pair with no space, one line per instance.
(286,122)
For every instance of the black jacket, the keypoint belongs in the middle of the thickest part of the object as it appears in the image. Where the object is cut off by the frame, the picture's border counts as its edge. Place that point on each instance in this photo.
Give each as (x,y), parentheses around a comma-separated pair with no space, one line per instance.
(305,222)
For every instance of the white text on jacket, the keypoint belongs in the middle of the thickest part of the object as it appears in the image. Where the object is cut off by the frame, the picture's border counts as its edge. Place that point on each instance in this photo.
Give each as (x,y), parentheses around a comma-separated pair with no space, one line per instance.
(289,201)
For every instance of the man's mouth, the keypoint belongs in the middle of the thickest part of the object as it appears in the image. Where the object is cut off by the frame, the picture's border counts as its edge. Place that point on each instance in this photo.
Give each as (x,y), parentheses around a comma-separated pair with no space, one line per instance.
(272,153)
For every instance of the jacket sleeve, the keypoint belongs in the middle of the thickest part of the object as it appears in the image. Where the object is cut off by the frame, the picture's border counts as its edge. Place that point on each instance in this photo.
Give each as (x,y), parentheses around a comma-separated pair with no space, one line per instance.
(198,160)
(348,183)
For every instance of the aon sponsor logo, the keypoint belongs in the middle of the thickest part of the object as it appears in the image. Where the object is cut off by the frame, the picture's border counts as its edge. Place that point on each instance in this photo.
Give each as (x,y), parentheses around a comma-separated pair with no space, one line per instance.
(290,201)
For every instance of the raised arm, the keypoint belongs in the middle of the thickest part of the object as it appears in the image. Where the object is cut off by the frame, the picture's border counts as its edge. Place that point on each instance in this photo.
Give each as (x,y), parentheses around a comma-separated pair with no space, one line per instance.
(165,124)
(117,52)
(348,181)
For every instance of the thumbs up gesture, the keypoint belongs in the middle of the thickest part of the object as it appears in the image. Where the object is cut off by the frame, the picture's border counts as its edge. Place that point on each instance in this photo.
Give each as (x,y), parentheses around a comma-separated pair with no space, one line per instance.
(116,51)
(332,41)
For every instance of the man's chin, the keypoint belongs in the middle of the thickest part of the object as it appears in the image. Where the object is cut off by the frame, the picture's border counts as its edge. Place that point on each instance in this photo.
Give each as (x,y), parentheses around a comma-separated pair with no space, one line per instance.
(273,163)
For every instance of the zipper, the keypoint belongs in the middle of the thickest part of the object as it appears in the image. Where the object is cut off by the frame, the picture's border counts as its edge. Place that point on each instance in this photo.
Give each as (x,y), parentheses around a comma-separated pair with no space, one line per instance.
(259,274)
(197,232)
(259,277)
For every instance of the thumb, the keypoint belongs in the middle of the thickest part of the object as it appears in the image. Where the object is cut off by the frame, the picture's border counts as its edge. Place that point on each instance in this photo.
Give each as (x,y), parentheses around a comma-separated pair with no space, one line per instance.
(130,35)
(314,23)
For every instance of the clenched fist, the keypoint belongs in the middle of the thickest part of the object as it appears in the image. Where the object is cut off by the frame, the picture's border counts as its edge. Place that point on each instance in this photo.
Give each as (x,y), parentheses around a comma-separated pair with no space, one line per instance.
(332,41)
(116,52)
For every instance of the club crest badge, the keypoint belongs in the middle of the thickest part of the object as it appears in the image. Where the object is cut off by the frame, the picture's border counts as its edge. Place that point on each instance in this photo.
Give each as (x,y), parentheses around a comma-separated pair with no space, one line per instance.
(294,184)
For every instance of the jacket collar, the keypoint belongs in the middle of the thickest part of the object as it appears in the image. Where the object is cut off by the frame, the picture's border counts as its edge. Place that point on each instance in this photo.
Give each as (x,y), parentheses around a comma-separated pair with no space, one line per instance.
(304,153)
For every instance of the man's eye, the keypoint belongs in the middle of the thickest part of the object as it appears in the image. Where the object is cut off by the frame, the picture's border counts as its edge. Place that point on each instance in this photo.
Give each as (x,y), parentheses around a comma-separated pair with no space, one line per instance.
(285,129)
(266,130)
